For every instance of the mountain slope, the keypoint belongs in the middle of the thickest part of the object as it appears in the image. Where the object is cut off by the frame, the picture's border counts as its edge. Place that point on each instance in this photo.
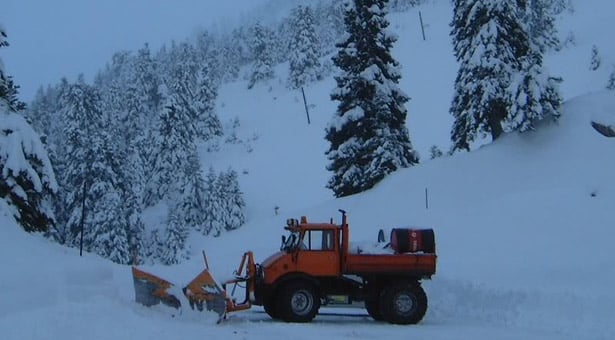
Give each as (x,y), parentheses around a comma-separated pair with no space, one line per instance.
(523,229)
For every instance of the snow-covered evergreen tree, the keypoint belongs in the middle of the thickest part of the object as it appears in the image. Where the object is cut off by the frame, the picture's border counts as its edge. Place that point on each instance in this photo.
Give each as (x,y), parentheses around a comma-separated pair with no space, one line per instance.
(8,89)
(106,230)
(191,207)
(174,248)
(239,44)
(233,205)
(173,143)
(540,23)
(490,43)
(261,45)
(148,83)
(27,179)
(193,88)
(41,112)
(404,5)
(611,83)
(435,152)
(595,61)
(204,104)
(304,62)
(368,133)
(90,174)
(214,209)
(187,116)
(329,24)
(535,95)
(559,6)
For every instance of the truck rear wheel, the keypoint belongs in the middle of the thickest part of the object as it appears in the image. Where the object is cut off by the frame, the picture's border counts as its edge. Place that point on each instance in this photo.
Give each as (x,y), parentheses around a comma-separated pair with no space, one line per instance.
(403,303)
(297,302)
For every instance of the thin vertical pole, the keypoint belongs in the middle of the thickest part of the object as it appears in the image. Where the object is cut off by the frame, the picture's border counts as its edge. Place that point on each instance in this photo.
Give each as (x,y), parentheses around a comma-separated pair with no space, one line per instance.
(82,219)
(422,26)
(306,106)
(426,199)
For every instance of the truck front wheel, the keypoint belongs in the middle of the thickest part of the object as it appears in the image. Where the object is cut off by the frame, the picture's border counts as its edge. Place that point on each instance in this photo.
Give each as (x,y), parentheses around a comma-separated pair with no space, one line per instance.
(297,302)
(403,303)
(271,308)
(373,309)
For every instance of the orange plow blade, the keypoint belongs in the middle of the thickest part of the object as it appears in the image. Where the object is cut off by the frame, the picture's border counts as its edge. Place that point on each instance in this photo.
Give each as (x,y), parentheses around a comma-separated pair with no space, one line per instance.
(151,290)
(203,292)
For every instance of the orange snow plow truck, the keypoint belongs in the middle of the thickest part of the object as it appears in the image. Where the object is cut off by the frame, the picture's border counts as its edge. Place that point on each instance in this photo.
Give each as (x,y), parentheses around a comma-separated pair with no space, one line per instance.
(314,267)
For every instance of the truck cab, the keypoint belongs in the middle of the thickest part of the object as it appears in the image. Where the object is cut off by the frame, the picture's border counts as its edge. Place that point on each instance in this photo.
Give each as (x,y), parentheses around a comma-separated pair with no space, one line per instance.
(308,249)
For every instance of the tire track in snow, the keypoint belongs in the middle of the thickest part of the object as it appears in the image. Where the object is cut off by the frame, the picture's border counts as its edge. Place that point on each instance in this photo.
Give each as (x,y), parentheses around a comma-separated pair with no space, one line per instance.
(560,314)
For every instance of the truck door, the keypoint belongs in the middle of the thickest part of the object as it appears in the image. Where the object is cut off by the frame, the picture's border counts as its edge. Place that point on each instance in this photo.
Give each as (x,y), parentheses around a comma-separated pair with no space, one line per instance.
(319,254)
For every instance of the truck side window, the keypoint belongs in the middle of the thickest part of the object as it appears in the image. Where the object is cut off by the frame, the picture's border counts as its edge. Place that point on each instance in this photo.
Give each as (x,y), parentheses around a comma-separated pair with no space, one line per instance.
(319,240)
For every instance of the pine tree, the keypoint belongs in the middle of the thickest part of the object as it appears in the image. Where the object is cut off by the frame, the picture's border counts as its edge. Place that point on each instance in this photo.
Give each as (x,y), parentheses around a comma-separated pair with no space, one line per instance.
(540,22)
(41,110)
(262,68)
(368,134)
(435,152)
(214,209)
(144,84)
(91,172)
(208,124)
(595,59)
(535,95)
(173,143)
(79,117)
(490,43)
(107,234)
(174,248)
(240,44)
(8,89)
(329,24)
(27,179)
(304,63)
(611,84)
(194,89)
(191,206)
(233,205)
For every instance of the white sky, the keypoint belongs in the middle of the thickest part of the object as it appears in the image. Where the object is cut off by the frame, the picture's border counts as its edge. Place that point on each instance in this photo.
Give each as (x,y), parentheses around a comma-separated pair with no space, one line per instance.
(52,39)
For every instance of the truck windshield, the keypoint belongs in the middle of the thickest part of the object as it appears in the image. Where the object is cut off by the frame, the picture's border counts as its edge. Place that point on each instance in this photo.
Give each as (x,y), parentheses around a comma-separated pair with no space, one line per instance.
(291,242)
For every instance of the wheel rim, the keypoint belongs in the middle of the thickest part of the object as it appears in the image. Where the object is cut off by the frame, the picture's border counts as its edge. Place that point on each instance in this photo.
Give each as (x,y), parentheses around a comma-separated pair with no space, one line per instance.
(404,303)
(302,302)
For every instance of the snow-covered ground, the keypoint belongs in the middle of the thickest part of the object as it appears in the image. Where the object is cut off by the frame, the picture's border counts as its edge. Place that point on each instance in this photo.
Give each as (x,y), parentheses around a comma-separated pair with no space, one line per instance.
(524,226)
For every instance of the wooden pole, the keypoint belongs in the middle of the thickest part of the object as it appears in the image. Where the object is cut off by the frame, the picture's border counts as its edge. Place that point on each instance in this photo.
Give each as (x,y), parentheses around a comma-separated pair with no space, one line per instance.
(82,219)
(306,106)
(422,26)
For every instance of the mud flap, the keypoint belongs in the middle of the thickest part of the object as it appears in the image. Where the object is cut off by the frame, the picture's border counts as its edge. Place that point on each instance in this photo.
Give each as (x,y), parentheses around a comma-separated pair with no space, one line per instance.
(151,290)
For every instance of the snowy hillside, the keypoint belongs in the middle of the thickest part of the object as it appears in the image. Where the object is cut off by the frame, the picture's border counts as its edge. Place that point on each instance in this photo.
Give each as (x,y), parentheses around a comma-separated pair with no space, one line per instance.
(523,226)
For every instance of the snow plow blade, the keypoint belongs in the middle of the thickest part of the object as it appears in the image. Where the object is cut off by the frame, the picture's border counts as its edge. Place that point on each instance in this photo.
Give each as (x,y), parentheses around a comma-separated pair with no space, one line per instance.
(205,293)
(151,290)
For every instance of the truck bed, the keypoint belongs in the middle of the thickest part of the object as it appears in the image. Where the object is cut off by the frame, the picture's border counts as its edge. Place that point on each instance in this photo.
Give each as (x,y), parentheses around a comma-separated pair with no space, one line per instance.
(411,264)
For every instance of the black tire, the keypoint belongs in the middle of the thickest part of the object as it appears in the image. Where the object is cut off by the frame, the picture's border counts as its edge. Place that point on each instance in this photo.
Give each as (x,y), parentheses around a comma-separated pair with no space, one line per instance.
(373,309)
(297,302)
(403,303)
(271,308)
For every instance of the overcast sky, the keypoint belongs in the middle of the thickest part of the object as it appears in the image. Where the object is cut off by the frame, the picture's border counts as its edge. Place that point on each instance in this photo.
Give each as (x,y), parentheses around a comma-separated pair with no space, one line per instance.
(50,39)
